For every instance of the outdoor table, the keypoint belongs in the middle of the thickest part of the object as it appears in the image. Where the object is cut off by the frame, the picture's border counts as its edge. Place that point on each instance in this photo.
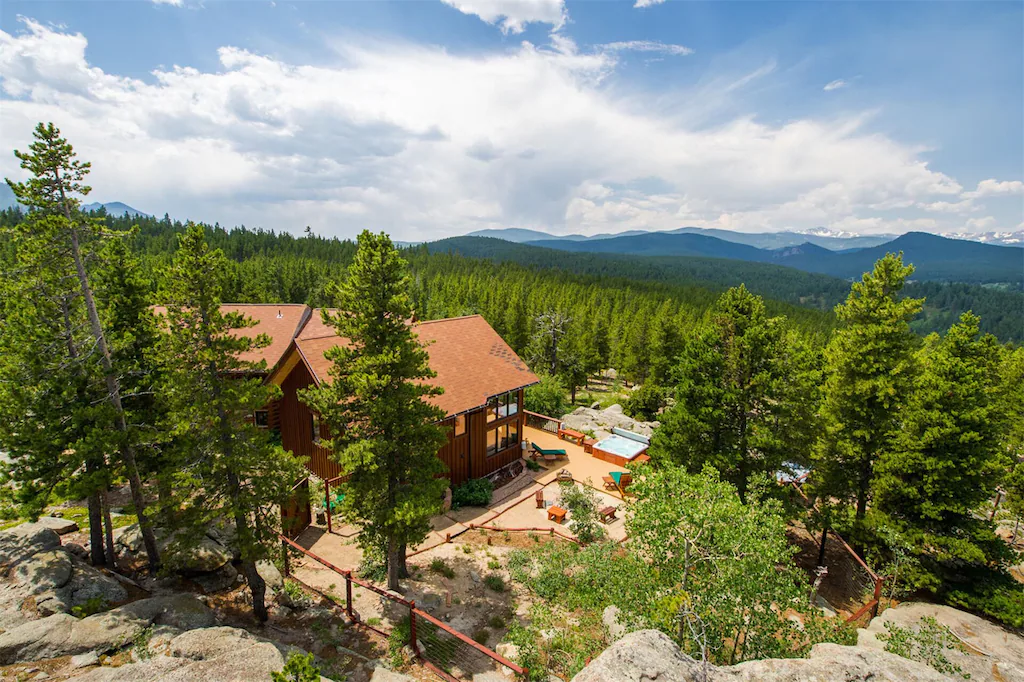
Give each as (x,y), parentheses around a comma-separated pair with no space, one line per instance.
(556,514)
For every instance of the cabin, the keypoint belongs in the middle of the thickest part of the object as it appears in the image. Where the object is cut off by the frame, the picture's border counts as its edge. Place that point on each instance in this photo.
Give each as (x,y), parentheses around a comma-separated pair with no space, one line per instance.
(482,377)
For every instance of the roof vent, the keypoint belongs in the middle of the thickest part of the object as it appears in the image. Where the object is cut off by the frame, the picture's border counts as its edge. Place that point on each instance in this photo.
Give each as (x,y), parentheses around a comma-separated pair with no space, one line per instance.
(279,314)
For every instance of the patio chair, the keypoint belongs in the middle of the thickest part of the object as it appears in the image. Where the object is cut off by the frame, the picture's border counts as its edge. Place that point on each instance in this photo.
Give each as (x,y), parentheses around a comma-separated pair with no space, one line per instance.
(610,483)
(549,452)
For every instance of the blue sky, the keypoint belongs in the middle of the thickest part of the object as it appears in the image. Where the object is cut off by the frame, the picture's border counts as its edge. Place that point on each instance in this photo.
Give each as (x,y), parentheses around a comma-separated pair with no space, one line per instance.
(429,118)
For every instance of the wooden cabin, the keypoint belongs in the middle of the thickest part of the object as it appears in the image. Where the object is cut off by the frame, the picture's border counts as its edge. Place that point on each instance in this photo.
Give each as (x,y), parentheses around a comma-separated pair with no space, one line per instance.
(482,377)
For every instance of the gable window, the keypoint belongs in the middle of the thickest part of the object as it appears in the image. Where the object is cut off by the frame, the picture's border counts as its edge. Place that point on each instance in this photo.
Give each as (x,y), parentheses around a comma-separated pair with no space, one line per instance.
(460,425)
(261,418)
(502,437)
(502,405)
(314,426)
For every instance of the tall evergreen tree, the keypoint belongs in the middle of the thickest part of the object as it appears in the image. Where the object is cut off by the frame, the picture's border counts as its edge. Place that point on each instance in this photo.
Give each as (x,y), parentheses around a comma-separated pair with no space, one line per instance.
(948,457)
(732,411)
(869,374)
(384,430)
(230,468)
(57,222)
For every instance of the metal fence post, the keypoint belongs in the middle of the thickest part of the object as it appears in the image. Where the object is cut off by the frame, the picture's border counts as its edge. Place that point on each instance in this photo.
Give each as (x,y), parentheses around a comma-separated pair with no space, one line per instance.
(412,629)
(327,502)
(348,595)
(878,596)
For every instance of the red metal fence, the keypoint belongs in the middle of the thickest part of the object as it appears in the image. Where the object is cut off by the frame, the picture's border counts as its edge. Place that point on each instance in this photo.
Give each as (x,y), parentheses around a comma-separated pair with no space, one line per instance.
(448,653)
(542,422)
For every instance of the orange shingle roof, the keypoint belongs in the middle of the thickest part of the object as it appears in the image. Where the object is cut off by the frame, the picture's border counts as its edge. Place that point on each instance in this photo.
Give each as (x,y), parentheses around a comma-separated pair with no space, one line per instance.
(471,361)
(279,321)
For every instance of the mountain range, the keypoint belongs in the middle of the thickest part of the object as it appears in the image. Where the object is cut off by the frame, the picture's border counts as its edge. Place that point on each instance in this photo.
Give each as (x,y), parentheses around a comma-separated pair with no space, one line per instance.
(8,200)
(829,239)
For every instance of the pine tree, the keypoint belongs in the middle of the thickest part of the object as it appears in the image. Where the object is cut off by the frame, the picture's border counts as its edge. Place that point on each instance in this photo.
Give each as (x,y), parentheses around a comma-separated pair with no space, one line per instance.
(947,458)
(384,430)
(869,374)
(731,410)
(57,223)
(229,467)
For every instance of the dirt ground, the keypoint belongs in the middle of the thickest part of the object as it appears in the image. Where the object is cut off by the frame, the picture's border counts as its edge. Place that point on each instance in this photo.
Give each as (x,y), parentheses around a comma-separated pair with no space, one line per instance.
(847,586)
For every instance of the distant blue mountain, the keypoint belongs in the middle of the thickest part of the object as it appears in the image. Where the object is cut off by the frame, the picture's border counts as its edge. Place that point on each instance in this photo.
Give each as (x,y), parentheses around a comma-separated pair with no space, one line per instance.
(7,198)
(116,208)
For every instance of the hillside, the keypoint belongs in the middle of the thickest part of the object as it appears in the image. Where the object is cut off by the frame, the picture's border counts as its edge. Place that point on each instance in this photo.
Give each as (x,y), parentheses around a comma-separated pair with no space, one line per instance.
(115,208)
(1002,312)
(936,258)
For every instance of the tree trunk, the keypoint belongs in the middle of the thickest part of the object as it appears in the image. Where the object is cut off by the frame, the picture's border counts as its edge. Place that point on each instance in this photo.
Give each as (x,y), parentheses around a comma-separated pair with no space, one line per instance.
(258,588)
(403,567)
(395,562)
(862,491)
(95,529)
(108,530)
(114,395)
(821,548)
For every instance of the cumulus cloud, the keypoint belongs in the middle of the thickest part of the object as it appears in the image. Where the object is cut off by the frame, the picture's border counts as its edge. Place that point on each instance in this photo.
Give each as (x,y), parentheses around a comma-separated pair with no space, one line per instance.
(648,46)
(835,85)
(996,188)
(176,3)
(512,16)
(425,143)
(647,3)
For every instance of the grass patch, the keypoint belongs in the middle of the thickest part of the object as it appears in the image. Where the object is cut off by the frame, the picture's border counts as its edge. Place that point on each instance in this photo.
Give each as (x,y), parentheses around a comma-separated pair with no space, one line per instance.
(441,567)
(495,582)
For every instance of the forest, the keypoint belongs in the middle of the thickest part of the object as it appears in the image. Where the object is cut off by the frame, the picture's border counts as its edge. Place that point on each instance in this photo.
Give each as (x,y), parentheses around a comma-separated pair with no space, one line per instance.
(908,436)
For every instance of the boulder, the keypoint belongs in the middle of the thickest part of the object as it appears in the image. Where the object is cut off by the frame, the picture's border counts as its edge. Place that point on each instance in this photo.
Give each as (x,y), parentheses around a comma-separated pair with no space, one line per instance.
(36,639)
(181,611)
(58,525)
(210,642)
(610,618)
(204,556)
(218,581)
(268,571)
(994,653)
(85,660)
(652,655)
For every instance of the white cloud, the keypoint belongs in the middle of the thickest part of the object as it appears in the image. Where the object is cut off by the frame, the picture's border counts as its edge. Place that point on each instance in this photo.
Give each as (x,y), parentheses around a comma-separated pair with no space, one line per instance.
(176,3)
(835,85)
(647,3)
(648,46)
(425,143)
(512,16)
(995,188)
(981,224)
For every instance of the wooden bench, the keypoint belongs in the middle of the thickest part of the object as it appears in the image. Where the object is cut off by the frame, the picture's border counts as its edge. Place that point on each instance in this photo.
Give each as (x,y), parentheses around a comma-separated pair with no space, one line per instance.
(607,514)
(571,434)
(556,514)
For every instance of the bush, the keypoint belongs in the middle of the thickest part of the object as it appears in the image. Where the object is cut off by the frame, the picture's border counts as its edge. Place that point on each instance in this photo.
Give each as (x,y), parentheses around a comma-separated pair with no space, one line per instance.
(532,465)
(581,503)
(548,398)
(644,402)
(298,668)
(481,636)
(374,564)
(496,622)
(989,593)
(441,567)
(927,644)
(475,493)
(495,582)
(91,606)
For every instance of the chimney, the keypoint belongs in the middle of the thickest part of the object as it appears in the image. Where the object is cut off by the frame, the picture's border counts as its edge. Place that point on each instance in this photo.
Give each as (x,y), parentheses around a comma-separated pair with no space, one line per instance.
(279,314)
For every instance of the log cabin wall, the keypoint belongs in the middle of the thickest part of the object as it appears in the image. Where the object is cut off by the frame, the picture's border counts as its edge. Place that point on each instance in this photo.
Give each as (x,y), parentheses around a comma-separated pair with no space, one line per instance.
(296,426)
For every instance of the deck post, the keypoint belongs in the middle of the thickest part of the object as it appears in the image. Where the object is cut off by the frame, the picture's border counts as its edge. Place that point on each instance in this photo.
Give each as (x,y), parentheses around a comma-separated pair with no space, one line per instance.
(878,597)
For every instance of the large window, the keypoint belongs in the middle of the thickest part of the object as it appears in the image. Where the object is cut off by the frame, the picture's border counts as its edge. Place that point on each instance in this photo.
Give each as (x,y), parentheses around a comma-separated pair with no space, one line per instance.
(261,418)
(502,436)
(503,405)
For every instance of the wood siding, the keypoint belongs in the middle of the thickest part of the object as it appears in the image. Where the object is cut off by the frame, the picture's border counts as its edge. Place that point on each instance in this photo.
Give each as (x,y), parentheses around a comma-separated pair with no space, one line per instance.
(296,434)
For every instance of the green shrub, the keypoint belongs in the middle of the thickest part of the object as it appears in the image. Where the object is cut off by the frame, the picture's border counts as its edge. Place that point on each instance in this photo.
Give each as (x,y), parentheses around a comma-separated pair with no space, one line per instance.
(495,582)
(548,398)
(298,668)
(397,640)
(496,622)
(441,567)
(91,606)
(581,503)
(481,636)
(644,402)
(927,644)
(374,564)
(533,466)
(989,593)
(474,493)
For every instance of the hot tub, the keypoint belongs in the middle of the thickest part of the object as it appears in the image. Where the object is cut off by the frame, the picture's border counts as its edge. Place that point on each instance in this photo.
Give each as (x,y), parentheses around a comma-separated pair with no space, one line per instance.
(619,449)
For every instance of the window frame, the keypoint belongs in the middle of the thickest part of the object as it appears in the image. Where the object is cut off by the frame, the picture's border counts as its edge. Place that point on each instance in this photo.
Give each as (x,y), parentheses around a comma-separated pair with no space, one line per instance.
(500,429)
(315,427)
(256,419)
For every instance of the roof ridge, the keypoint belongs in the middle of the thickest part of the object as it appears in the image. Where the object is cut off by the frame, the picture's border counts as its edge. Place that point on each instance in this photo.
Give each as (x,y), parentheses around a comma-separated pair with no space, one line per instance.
(448,319)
